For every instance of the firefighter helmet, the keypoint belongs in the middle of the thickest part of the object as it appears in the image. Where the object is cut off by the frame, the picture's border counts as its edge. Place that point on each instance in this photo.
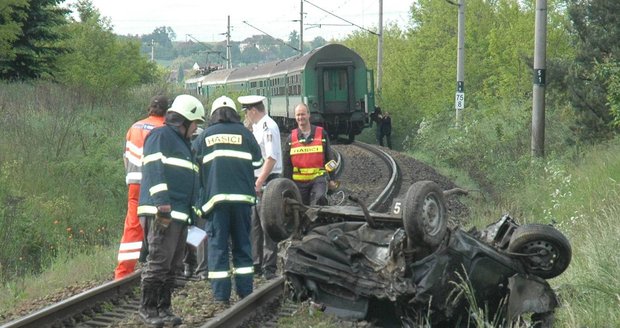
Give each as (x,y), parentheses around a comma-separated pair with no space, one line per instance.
(223,101)
(189,107)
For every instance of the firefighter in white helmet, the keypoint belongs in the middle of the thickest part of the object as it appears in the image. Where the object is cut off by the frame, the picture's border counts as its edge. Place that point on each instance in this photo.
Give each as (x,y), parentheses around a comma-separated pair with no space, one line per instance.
(168,191)
(228,155)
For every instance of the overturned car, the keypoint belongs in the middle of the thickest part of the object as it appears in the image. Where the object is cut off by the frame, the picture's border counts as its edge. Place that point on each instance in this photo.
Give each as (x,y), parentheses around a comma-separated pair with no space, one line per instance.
(352,260)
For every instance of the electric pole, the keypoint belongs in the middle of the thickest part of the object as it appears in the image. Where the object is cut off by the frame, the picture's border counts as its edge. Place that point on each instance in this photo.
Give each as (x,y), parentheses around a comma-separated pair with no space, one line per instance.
(380,51)
(228,46)
(540,54)
(459,99)
(152,50)
(301,29)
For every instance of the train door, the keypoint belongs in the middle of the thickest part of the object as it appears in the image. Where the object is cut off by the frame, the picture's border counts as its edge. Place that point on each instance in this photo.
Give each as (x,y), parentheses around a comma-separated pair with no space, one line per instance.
(336,90)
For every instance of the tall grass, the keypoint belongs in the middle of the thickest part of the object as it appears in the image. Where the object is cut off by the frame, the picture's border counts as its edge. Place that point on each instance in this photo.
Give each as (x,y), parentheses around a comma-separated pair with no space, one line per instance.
(62,184)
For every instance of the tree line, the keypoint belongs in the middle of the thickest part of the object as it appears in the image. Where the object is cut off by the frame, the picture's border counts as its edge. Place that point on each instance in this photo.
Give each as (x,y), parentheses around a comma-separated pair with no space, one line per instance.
(40,40)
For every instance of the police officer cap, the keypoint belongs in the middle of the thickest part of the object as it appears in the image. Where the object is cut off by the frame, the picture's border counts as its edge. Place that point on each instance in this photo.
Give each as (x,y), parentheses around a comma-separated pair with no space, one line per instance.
(247,101)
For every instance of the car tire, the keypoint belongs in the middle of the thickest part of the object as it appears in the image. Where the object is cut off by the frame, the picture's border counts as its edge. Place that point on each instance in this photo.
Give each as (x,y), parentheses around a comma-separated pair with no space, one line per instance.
(550,250)
(425,216)
(280,221)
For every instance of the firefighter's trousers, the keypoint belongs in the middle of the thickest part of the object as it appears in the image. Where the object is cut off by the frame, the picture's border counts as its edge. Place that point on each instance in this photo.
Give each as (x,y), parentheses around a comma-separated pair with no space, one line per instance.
(133,235)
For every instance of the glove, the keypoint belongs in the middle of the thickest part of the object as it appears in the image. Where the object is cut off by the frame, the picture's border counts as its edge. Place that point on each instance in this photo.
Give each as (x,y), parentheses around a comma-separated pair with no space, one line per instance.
(162,221)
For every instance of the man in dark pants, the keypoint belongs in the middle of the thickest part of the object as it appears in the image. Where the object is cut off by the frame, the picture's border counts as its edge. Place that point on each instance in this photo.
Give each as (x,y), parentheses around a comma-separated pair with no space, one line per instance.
(167,193)
(304,156)
(228,155)
(386,130)
(267,134)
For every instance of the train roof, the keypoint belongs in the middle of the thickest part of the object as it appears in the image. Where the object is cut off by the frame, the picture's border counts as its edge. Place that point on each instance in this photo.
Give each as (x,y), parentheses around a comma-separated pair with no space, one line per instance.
(332,53)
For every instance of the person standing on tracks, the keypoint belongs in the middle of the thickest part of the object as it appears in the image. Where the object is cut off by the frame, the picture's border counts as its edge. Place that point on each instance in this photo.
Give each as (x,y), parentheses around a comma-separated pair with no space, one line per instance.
(267,134)
(228,155)
(195,260)
(168,191)
(306,152)
(133,234)
(386,130)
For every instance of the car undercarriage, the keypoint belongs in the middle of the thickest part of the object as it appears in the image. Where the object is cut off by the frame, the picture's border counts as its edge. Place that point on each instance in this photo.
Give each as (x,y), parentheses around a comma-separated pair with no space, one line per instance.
(348,259)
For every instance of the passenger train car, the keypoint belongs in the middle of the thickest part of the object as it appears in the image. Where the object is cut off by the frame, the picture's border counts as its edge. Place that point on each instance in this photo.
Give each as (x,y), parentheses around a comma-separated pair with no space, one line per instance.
(332,80)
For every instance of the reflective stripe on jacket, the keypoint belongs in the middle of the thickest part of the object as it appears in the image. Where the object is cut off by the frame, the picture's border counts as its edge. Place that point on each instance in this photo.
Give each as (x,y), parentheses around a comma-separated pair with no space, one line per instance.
(134,146)
(307,158)
(170,174)
(228,154)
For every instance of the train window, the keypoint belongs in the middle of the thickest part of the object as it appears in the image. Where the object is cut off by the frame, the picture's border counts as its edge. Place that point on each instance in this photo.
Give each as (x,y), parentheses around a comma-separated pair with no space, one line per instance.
(326,81)
(342,80)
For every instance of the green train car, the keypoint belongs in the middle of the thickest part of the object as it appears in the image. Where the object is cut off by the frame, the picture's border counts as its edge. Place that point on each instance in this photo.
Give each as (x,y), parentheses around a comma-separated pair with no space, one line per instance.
(332,80)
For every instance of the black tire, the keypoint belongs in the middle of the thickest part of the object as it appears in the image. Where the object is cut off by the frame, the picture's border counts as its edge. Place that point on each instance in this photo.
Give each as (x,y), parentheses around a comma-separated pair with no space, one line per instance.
(425,217)
(550,250)
(280,221)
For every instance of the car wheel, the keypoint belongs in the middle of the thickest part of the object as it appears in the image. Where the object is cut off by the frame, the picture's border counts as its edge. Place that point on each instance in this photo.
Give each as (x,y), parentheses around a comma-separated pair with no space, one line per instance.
(424,216)
(546,250)
(280,221)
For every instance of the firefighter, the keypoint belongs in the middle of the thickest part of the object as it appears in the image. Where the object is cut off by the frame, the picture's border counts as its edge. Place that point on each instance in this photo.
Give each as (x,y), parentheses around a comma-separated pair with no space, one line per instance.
(133,235)
(305,155)
(228,155)
(168,191)
(195,261)
(267,134)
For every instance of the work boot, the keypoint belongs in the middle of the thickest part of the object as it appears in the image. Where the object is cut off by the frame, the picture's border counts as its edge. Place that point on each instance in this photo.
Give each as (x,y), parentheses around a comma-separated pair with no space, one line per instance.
(189,270)
(258,270)
(164,303)
(148,307)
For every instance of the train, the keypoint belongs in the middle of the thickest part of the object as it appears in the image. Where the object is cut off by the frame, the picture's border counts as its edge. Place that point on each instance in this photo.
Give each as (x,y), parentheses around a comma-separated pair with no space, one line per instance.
(332,80)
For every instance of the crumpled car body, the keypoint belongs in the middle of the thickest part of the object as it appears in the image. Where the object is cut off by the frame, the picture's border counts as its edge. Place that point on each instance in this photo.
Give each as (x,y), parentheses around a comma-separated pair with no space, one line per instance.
(347,264)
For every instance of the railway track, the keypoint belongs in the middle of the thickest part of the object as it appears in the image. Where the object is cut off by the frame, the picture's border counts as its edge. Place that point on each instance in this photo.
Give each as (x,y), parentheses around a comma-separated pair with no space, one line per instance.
(110,304)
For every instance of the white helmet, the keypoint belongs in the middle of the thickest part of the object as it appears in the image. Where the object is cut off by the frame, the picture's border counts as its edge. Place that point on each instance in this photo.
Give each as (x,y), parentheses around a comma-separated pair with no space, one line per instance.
(189,107)
(223,101)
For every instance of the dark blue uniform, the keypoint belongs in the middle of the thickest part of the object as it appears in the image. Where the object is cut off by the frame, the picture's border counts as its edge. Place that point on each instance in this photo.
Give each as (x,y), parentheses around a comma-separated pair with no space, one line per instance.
(228,155)
(169,177)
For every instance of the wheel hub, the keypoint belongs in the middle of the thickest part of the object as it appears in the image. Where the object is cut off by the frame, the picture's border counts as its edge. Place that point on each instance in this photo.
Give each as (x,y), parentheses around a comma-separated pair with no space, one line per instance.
(431,215)
(542,255)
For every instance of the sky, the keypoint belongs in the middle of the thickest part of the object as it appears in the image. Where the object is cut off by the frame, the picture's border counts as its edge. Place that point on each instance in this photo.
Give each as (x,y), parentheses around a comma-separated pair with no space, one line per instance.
(207,20)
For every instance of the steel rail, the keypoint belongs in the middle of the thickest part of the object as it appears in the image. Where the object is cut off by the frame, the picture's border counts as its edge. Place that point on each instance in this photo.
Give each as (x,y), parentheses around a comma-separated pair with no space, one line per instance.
(394,177)
(245,309)
(66,309)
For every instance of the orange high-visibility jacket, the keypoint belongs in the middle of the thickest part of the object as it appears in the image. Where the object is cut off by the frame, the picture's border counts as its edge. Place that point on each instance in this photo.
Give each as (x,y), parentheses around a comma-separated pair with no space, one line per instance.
(133,146)
(307,158)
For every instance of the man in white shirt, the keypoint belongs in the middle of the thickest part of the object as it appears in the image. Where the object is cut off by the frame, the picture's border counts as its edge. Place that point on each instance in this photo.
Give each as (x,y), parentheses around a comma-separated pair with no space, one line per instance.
(267,134)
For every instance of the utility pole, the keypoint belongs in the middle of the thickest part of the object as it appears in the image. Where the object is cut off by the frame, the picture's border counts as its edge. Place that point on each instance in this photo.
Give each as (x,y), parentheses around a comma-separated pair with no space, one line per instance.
(152,50)
(540,54)
(459,99)
(301,29)
(228,46)
(380,51)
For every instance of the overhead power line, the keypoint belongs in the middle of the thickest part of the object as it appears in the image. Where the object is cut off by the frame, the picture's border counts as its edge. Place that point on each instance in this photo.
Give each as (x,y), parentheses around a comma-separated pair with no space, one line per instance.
(267,34)
(360,27)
